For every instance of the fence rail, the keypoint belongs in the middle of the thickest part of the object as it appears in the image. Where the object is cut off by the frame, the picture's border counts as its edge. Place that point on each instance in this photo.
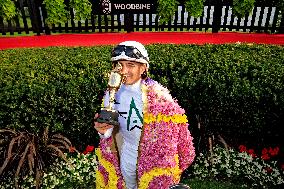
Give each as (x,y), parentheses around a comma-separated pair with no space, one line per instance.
(216,17)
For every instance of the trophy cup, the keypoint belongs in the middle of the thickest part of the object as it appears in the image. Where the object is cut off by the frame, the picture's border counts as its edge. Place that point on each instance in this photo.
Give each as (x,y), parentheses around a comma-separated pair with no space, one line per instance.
(108,114)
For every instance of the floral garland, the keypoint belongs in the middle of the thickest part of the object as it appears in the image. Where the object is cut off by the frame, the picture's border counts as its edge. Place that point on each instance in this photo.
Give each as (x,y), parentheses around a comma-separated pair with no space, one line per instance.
(156,172)
(159,106)
(150,118)
(161,113)
(160,110)
(100,183)
(113,177)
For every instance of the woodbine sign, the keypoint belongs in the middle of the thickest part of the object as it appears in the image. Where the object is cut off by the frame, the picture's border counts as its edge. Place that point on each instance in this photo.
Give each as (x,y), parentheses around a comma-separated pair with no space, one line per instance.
(119,6)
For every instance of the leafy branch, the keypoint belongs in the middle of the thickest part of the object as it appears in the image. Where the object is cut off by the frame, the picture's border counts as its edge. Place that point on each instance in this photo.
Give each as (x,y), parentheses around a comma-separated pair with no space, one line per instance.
(82,9)
(56,12)
(7,9)
(166,9)
(242,7)
(194,7)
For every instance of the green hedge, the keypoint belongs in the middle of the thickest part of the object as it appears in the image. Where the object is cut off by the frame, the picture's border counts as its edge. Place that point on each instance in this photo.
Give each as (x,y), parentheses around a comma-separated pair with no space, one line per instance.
(59,87)
(235,90)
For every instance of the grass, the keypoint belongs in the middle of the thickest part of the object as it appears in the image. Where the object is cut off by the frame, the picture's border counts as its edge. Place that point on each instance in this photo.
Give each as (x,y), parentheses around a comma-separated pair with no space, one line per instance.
(206,184)
(17,34)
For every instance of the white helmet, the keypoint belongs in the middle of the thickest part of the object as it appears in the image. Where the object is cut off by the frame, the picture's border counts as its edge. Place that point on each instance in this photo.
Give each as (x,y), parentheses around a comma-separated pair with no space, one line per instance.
(130,50)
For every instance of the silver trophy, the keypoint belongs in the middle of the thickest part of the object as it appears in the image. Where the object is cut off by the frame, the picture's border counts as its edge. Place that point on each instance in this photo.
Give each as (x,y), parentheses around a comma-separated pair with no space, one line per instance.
(109,114)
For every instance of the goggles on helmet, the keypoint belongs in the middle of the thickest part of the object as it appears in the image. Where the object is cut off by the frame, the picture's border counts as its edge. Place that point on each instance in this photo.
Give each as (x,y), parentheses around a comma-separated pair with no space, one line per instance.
(130,51)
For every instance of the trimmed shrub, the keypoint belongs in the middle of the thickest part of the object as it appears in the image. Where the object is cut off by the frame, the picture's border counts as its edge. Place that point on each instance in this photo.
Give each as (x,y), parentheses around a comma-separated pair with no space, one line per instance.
(56,87)
(233,90)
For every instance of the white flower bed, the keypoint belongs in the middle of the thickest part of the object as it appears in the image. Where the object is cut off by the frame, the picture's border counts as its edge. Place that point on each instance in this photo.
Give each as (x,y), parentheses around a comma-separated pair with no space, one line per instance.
(78,172)
(233,165)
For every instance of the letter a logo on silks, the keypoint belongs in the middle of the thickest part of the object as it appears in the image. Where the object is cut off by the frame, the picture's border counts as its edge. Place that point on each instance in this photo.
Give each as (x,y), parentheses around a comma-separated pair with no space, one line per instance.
(134,121)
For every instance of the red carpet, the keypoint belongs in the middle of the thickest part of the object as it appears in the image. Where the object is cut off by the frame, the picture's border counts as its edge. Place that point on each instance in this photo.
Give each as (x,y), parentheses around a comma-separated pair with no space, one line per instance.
(143,37)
